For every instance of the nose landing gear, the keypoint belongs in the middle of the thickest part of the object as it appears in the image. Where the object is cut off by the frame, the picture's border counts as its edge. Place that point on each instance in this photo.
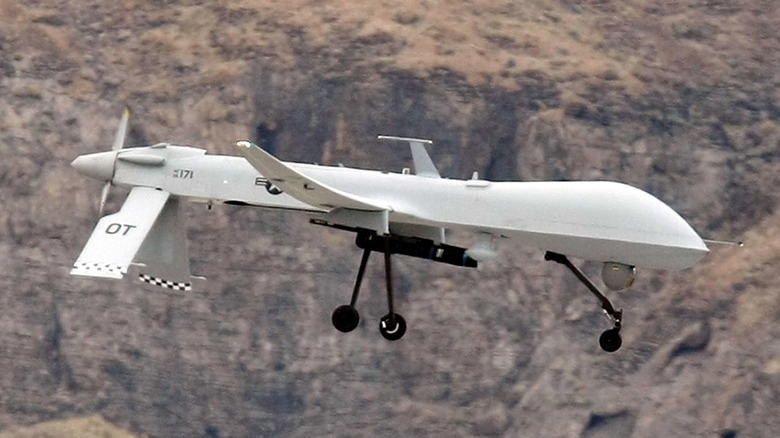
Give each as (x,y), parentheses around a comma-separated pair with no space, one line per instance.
(610,341)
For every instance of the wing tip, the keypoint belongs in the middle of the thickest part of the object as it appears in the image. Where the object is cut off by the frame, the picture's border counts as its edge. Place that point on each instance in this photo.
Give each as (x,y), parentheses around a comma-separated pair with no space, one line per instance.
(737,243)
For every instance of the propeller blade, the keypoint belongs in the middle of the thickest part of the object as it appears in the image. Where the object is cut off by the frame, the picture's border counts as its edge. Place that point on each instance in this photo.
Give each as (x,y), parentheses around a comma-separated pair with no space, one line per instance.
(119,139)
(119,143)
(104,198)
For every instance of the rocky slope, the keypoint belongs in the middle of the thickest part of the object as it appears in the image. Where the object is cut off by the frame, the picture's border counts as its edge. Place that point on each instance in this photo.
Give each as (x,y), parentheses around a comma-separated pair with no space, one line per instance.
(80,427)
(677,97)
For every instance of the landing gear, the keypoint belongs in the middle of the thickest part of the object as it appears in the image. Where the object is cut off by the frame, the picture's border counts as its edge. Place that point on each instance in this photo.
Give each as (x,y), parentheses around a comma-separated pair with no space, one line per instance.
(392,327)
(610,341)
(346,318)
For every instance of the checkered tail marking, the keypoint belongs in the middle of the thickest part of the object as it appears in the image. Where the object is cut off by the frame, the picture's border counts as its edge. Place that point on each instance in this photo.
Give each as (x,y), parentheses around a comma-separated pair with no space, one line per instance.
(167,284)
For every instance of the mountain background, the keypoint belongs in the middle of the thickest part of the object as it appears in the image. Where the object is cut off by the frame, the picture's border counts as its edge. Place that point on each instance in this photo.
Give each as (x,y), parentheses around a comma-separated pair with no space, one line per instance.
(677,97)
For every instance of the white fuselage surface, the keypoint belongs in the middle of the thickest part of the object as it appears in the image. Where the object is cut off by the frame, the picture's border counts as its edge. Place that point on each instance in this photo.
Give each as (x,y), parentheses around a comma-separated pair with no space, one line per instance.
(598,221)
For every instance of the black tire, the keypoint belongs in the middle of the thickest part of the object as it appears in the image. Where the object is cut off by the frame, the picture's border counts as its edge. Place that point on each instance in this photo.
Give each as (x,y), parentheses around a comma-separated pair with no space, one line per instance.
(610,341)
(392,330)
(345,318)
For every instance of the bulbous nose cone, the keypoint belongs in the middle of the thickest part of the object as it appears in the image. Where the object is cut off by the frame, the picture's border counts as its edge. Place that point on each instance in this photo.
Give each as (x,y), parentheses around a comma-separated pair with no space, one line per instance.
(99,166)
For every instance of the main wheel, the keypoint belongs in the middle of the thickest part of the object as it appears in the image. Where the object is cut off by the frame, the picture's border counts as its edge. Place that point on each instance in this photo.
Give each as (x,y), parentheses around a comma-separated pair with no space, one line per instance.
(392,330)
(345,318)
(610,341)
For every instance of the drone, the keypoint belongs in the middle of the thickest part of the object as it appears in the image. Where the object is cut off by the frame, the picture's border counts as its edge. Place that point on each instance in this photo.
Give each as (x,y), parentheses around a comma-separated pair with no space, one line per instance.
(392,213)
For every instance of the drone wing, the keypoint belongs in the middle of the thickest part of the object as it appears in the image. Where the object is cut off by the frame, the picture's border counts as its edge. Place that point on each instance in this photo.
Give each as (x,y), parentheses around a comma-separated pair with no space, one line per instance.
(301,186)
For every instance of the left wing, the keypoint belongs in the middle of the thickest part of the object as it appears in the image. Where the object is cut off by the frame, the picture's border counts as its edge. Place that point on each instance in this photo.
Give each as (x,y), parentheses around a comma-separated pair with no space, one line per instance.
(303,188)
(118,237)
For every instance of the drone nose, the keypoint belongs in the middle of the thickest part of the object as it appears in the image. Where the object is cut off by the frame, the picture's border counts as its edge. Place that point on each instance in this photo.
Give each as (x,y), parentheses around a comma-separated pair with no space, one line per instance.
(99,166)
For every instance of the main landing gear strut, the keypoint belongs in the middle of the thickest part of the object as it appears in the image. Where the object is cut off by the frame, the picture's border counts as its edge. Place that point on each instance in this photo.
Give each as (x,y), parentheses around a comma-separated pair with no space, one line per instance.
(346,318)
(610,341)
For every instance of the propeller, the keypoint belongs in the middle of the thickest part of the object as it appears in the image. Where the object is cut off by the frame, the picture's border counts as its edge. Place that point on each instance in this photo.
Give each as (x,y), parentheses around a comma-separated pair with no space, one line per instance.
(119,142)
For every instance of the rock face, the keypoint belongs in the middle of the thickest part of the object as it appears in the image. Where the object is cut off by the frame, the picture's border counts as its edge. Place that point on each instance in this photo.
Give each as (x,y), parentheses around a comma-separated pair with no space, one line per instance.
(679,98)
(93,426)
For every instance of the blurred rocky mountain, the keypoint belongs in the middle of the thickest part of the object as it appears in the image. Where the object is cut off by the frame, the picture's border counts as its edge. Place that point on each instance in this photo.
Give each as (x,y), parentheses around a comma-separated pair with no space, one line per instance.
(93,426)
(678,97)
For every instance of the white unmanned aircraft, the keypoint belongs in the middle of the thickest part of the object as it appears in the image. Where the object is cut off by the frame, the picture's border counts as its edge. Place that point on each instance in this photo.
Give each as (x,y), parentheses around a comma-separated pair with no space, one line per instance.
(392,213)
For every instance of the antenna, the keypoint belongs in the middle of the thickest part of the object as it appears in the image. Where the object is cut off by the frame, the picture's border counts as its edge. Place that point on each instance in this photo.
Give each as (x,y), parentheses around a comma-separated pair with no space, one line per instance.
(423,165)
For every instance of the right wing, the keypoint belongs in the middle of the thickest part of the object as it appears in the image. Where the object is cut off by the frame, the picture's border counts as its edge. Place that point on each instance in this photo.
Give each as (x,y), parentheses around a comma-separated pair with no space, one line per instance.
(303,188)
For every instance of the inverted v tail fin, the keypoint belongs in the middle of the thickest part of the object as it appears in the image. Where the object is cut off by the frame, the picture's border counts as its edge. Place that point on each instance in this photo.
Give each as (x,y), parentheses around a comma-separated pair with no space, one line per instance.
(163,260)
(117,237)
(145,242)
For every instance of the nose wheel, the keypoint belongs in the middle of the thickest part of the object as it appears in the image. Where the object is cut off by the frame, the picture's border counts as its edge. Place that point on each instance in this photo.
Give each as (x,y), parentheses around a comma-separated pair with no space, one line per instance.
(346,317)
(610,341)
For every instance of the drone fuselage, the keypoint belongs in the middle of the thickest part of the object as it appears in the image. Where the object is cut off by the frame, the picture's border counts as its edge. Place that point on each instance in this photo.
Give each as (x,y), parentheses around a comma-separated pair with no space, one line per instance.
(592,220)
